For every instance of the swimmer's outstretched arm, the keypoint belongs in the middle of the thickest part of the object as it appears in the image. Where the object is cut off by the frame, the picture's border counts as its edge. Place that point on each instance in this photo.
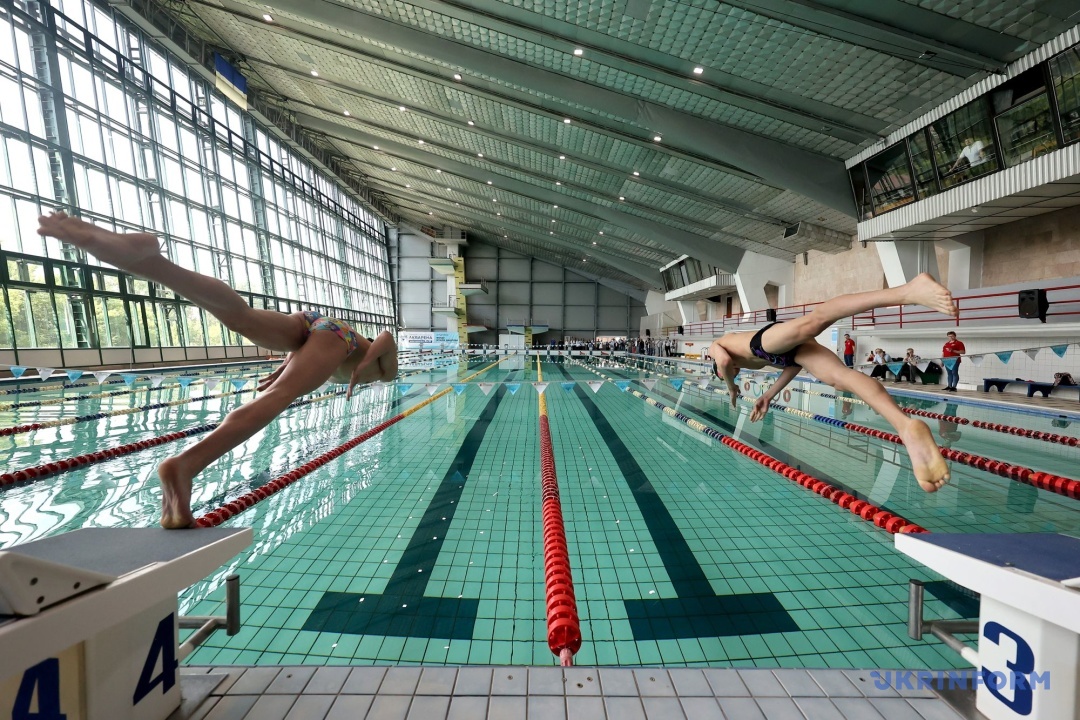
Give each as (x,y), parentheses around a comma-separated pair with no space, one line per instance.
(761,405)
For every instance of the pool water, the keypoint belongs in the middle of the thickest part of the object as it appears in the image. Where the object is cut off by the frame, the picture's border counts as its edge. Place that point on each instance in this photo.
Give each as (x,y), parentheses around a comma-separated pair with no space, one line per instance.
(423,544)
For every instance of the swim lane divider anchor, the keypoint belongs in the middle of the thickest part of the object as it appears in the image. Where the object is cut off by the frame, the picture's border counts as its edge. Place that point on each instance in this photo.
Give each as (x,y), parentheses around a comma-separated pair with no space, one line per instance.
(564,626)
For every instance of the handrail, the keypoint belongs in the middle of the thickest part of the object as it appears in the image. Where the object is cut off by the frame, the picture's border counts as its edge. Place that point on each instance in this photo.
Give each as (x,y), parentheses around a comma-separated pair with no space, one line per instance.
(975,308)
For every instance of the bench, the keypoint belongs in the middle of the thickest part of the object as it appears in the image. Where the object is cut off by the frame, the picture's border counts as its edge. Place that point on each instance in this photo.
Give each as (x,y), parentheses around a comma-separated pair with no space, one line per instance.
(1032,386)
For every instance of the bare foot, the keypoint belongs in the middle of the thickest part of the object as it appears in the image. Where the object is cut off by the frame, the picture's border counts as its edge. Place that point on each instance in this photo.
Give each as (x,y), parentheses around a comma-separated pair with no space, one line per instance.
(926,291)
(175,496)
(931,470)
(124,250)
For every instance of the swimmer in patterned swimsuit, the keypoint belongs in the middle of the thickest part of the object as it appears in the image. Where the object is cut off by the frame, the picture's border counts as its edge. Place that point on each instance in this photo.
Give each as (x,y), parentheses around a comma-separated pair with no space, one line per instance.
(320,349)
(791,347)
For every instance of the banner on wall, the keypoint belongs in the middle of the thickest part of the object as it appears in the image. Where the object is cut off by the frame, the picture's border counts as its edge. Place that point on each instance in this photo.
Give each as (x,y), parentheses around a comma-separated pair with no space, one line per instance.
(428,340)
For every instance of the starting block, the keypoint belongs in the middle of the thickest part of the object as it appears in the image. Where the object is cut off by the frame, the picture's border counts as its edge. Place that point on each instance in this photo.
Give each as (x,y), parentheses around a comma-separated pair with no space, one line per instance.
(89,622)
(1028,657)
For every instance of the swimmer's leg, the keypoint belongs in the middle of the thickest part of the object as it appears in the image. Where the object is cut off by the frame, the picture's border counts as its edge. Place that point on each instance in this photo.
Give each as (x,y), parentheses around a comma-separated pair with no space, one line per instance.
(930,468)
(140,254)
(923,290)
(309,368)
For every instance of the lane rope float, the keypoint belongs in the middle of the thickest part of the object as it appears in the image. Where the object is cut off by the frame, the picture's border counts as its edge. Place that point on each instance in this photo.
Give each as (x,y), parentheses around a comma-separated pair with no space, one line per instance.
(564,626)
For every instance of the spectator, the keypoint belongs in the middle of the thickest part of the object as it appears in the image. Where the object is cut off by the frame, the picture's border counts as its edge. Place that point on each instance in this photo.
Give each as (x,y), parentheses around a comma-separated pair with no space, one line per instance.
(973,153)
(849,351)
(881,359)
(910,370)
(952,348)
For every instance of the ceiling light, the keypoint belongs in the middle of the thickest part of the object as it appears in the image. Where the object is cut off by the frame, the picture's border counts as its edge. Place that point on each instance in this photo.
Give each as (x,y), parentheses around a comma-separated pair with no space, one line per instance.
(471,122)
(636,173)
(347,113)
(566,120)
(551,232)
(498,214)
(479,154)
(457,76)
(494,200)
(621,197)
(657,138)
(558,183)
(421,142)
(437,170)
(314,73)
(554,206)
(974,209)
(394,169)
(489,182)
(431,213)
(593,242)
(401,108)
(267,17)
(699,70)
(448,190)
(601,232)
(579,52)
(552,221)
(374,147)
(408,186)
(504,236)
(562,157)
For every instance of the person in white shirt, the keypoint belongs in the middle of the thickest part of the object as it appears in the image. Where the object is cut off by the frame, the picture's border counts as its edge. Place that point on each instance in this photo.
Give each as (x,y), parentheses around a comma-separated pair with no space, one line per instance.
(972,152)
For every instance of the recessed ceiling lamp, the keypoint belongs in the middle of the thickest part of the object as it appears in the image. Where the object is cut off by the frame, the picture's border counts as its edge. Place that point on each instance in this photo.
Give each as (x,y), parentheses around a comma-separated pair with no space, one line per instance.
(438,170)
(421,142)
(408,186)
(457,76)
(448,190)
(267,17)
(566,120)
(699,70)
(347,113)
(394,169)
(558,183)
(579,52)
(593,242)
(657,138)
(500,214)
(621,197)
(401,108)
(552,221)
(601,232)
(636,173)
(555,206)
(314,73)
(551,232)
(490,183)
(471,122)
(374,147)
(480,155)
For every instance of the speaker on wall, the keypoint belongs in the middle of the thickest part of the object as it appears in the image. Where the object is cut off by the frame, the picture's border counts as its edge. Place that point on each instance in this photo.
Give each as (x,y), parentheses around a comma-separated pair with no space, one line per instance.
(770,315)
(648,332)
(1033,304)
(680,330)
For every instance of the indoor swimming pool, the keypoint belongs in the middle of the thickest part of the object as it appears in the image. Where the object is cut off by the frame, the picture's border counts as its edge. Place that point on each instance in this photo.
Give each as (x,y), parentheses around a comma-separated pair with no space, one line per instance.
(422,545)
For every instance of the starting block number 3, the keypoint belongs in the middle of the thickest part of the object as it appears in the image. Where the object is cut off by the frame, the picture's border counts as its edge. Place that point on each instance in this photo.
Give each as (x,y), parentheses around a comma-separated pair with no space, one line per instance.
(55,688)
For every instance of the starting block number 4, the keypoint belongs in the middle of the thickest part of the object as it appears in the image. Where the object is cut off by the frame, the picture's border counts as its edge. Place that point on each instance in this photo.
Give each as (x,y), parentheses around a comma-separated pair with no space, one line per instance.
(130,672)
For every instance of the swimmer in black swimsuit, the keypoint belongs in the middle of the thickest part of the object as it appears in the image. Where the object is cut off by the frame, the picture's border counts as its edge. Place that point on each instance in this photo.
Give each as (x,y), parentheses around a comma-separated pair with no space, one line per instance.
(791,347)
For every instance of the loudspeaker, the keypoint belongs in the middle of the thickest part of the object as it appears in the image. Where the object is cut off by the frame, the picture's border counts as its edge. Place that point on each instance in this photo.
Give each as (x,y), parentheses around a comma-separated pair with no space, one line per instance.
(648,332)
(770,315)
(680,330)
(1033,304)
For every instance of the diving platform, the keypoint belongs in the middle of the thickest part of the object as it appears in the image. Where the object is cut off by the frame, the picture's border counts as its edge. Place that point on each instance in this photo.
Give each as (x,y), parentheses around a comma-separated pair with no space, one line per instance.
(442,265)
(472,288)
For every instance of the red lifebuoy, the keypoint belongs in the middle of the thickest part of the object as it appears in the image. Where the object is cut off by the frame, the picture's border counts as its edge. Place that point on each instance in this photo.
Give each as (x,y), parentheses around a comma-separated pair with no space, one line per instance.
(787,396)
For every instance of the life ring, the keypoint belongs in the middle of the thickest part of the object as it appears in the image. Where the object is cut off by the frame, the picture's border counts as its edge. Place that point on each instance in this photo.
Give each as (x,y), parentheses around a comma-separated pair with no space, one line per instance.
(787,396)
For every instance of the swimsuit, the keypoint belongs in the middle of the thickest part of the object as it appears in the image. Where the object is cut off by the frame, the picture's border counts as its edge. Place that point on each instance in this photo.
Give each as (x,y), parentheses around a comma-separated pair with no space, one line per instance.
(318,321)
(781,360)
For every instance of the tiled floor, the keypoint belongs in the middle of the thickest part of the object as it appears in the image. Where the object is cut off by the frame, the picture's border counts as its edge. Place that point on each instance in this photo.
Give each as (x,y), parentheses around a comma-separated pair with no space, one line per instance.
(554,693)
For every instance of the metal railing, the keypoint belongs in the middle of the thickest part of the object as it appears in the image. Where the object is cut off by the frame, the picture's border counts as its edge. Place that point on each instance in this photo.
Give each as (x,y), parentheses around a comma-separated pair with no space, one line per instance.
(976,308)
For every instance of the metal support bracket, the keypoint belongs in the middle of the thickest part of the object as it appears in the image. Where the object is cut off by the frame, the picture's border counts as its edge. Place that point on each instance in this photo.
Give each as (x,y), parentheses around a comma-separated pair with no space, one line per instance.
(205,625)
(944,630)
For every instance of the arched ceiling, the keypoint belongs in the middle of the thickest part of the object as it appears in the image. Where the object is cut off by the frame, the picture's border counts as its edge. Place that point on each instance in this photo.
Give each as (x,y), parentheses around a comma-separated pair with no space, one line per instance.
(578,131)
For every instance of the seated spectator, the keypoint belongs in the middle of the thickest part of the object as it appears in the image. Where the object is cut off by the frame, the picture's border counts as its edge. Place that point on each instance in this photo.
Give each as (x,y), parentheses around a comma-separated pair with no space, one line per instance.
(881,359)
(910,370)
(1063,378)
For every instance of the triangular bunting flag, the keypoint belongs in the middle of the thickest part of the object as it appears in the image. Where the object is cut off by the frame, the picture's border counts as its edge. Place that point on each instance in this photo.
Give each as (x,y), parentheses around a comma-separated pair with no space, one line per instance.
(18,370)
(129,378)
(895,367)
(238,384)
(101,376)
(976,360)
(212,383)
(485,387)
(513,387)
(623,385)
(650,384)
(431,388)
(676,383)
(540,387)
(1004,356)
(1032,352)
(459,388)
(950,363)
(404,388)
(184,380)
(156,380)
(922,366)
(73,375)
(1059,350)
(594,385)
(45,373)
(567,386)
(703,382)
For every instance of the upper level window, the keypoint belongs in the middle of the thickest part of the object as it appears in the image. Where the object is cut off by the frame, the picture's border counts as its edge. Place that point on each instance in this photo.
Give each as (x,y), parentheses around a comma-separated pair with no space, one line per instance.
(922,162)
(889,176)
(1065,70)
(1024,123)
(964,144)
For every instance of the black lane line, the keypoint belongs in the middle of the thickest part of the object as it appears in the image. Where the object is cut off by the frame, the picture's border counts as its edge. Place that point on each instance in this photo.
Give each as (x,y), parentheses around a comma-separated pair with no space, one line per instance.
(402,610)
(697,611)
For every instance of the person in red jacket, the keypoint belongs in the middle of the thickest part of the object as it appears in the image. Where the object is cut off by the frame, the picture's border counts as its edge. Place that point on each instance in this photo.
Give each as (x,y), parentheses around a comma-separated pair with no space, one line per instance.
(849,351)
(953,349)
